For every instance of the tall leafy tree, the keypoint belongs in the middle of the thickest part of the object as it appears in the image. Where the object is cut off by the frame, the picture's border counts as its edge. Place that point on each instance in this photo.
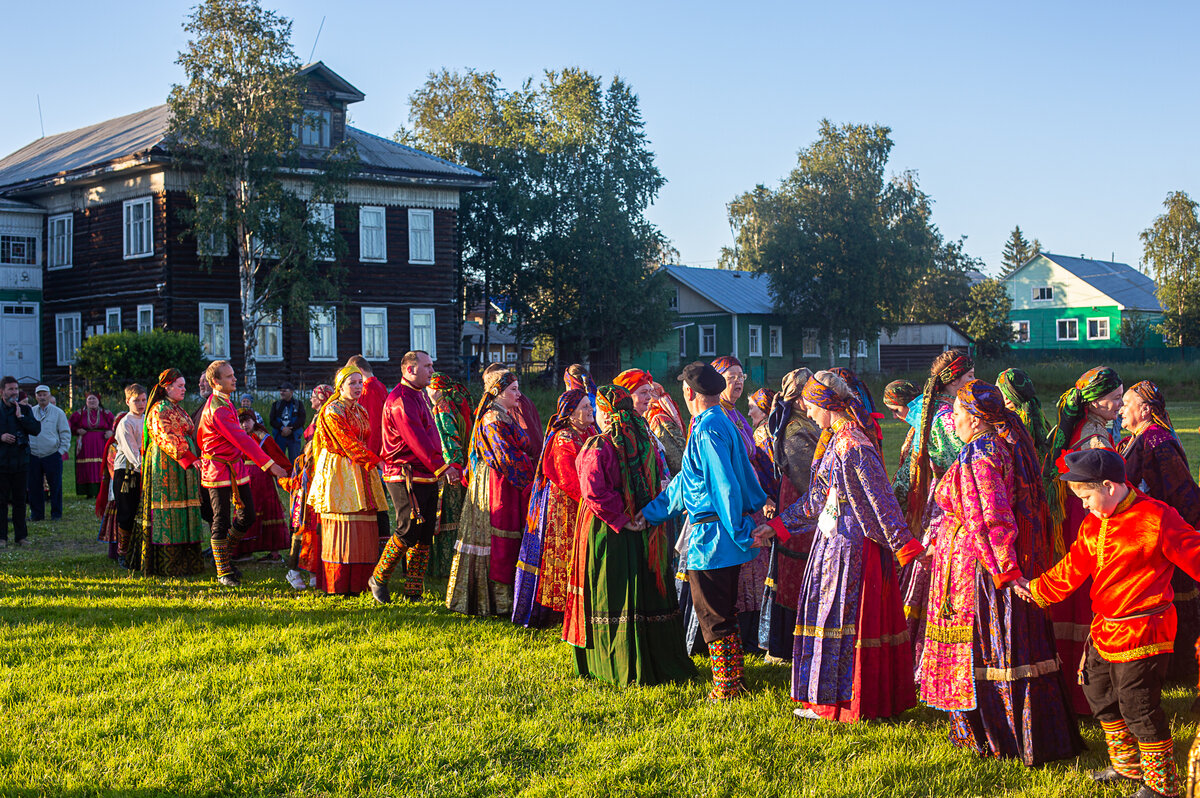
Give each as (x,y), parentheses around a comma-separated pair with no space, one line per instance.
(941,291)
(986,319)
(1171,245)
(564,234)
(233,127)
(838,240)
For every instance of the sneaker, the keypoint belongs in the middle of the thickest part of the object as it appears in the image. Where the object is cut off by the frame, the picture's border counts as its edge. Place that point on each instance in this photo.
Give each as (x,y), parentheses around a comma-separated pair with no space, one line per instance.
(296,580)
(805,713)
(312,580)
(379,591)
(229,581)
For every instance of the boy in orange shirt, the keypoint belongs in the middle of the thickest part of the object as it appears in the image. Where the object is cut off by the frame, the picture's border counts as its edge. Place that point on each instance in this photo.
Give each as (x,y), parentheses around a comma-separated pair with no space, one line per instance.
(1129,545)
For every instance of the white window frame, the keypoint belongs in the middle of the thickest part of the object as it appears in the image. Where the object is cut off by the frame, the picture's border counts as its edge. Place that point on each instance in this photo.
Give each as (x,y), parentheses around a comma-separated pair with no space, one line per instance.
(112,315)
(754,339)
(269,321)
(711,349)
(775,341)
(224,308)
(431,346)
(1107,328)
(419,213)
(862,348)
(66,356)
(147,233)
(1016,325)
(844,348)
(1057,334)
(322,131)
(364,234)
(65,236)
(370,352)
(1036,291)
(321,213)
(807,336)
(326,318)
(682,342)
(145,309)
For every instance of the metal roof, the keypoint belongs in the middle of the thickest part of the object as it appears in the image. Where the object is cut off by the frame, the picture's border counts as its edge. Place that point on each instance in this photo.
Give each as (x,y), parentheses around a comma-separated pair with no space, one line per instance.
(16,206)
(732,291)
(1124,284)
(139,133)
(473,331)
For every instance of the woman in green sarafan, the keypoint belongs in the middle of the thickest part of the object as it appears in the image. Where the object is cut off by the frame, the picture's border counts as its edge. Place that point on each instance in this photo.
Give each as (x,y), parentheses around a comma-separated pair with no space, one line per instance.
(168,530)
(622,615)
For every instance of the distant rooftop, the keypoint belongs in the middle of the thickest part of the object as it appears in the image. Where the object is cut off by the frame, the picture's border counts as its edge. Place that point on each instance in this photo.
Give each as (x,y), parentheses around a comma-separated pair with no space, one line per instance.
(732,291)
(1124,284)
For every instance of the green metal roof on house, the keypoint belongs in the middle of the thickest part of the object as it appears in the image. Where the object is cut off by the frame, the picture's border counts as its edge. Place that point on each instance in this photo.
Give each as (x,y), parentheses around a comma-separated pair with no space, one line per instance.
(1126,286)
(732,291)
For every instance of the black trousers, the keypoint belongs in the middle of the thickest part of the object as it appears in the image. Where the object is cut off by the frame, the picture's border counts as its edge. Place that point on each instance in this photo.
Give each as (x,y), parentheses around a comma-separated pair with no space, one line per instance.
(51,468)
(12,494)
(410,533)
(714,601)
(127,492)
(216,508)
(1129,691)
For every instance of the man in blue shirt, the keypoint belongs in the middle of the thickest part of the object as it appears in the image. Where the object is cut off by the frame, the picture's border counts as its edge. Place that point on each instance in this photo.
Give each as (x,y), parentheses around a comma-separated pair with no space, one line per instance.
(717,487)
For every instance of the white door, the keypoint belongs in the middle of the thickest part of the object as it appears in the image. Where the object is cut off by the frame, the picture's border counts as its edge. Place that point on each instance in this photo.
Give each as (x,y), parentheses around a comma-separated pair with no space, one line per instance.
(19,352)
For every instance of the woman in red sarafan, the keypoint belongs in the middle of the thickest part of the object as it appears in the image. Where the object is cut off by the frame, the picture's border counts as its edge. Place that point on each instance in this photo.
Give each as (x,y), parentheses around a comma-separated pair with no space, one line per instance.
(269,533)
(92,427)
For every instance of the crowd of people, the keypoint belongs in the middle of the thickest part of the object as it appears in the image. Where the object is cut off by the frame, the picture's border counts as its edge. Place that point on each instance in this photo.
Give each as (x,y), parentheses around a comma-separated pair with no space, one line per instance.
(1014,573)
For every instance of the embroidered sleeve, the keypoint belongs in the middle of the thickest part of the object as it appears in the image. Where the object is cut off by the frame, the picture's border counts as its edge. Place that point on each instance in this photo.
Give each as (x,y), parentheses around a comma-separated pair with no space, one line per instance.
(1071,571)
(987,517)
(501,449)
(339,429)
(452,437)
(224,418)
(873,504)
(170,428)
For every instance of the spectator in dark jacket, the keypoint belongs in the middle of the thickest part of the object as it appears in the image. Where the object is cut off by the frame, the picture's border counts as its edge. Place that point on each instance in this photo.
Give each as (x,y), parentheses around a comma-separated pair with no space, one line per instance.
(17,424)
(287,422)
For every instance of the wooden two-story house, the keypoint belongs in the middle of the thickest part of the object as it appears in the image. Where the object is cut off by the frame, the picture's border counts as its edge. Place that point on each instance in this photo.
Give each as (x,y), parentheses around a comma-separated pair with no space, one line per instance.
(96,212)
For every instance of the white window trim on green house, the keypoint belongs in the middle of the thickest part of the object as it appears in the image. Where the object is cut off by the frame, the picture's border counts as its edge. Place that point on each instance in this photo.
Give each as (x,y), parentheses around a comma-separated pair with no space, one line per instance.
(708,331)
(1058,329)
(1107,328)
(1022,336)
(776,341)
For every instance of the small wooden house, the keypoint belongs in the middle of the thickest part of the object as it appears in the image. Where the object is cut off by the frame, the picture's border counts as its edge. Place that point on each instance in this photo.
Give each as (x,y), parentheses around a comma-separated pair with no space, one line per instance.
(115,255)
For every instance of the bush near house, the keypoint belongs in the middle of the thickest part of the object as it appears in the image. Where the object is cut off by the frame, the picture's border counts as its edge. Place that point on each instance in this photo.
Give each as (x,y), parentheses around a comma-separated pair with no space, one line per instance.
(109,362)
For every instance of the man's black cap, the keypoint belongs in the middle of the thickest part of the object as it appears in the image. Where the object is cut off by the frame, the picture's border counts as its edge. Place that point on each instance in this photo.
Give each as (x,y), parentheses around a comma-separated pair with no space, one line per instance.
(1094,465)
(287,386)
(703,378)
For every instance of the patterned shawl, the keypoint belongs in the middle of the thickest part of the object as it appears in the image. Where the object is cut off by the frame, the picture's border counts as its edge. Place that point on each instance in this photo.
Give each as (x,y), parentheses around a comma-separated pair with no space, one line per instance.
(663,408)
(763,398)
(1018,388)
(632,379)
(781,412)
(899,393)
(157,394)
(455,395)
(1072,407)
(1154,399)
(724,364)
(824,397)
(920,469)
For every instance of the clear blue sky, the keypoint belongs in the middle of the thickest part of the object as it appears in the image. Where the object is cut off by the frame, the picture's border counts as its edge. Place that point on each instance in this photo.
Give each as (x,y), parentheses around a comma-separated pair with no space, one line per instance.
(1072,120)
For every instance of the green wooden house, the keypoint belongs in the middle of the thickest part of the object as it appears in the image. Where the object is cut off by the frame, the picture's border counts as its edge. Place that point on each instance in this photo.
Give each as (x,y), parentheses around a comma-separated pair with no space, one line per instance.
(1065,303)
(732,313)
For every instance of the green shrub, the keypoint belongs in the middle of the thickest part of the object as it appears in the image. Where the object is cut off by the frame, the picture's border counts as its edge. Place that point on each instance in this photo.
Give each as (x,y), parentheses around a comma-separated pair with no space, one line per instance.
(107,363)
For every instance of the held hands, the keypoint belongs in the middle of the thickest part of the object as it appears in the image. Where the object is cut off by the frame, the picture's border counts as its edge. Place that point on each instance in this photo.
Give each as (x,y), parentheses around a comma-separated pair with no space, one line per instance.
(452,474)
(763,533)
(1020,586)
(638,523)
(278,471)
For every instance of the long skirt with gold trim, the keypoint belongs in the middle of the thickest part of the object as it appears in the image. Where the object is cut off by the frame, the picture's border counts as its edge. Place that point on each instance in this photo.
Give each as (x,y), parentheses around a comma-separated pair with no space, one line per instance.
(471,590)
(441,551)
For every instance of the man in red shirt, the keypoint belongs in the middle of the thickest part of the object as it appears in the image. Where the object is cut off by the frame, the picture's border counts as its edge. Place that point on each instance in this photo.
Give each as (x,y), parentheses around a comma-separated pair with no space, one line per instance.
(1130,546)
(374,394)
(224,480)
(412,467)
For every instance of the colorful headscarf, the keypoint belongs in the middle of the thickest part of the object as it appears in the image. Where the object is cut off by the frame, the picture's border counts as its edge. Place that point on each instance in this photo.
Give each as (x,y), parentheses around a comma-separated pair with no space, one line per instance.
(762,398)
(632,379)
(449,388)
(920,469)
(865,411)
(493,385)
(638,464)
(725,363)
(793,383)
(567,403)
(1033,543)
(323,392)
(782,406)
(663,408)
(1072,407)
(1018,388)
(817,393)
(899,393)
(583,382)
(1154,399)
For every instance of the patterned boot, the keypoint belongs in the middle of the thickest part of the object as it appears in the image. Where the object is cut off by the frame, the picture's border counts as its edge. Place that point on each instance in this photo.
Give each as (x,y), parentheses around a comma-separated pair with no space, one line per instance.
(225,574)
(393,552)
(727,665)
(123,537)
(417,558)
(1159,772)
(1123,753)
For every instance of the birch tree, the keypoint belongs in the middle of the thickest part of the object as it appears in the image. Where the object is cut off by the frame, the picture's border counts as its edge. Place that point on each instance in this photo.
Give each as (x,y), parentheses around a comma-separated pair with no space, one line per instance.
(1172,247)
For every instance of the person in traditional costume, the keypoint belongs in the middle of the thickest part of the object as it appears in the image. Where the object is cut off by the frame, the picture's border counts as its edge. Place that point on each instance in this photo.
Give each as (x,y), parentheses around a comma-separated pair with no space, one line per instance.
(304,554)
(1128,546)
(320,395)
(793,441)
(500,475)
(990,657)
(753,574)
(1020,396)
(452,416)
(269,533)
(247,403)
(666,424)
(346,489)
(166,534)
(374,394)
(92,427)
(851,659)
(1086,413)
(227,503)
(544,565)
(577,377)
(897,395)
(717,487)
(106,504)
(758,412)
(412,468)
(128,434)
(524,414)
(934,448)
(1157,466)
(621,615)
(871,415)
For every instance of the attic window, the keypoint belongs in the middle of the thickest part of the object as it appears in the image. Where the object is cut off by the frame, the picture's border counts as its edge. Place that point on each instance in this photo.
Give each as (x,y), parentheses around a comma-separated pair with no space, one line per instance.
(313,130)
(1043,293)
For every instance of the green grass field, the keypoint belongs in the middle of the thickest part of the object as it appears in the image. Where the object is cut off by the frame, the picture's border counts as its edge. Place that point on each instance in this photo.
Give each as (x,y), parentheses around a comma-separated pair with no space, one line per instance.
(115,685)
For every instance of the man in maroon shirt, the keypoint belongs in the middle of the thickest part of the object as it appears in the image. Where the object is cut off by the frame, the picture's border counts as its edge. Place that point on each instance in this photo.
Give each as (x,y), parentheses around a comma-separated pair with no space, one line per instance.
(412,467)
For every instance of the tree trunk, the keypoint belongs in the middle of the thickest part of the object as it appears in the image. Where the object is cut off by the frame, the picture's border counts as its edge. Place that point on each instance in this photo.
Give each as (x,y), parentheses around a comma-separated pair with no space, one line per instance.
(246,263)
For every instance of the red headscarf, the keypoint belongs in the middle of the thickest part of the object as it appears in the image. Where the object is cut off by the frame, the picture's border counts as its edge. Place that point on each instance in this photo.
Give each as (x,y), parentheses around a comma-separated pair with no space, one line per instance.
(723,364)
(632,379)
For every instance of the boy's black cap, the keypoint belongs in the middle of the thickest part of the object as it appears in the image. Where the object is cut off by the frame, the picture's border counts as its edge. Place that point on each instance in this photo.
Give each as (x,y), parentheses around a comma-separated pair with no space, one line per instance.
(703,378)
(1094,465)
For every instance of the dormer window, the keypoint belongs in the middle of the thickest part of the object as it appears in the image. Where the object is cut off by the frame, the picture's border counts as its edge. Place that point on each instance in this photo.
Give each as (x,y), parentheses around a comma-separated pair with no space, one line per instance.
(314,130)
